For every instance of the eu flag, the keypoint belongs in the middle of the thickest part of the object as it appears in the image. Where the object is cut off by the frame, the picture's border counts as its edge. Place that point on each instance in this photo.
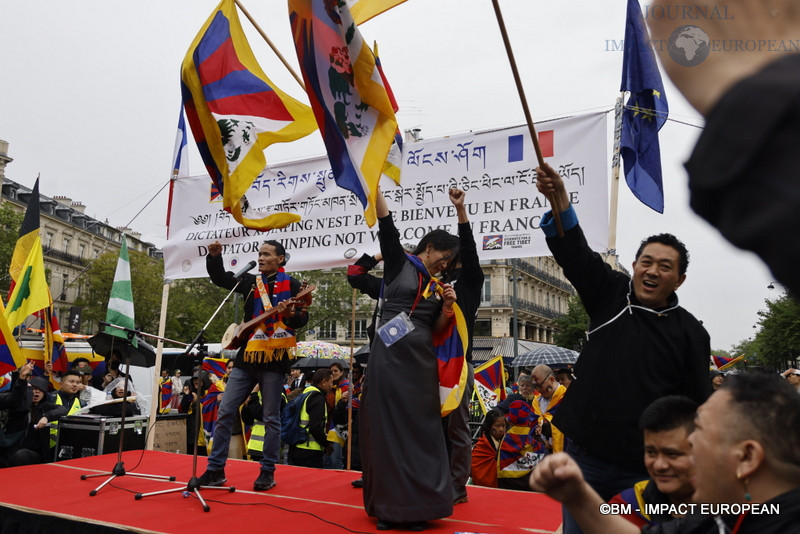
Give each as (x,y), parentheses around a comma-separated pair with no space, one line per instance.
(645,113)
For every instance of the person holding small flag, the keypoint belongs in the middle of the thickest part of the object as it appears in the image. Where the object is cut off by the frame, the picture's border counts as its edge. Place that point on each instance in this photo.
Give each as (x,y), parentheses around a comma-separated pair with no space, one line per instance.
(641,345)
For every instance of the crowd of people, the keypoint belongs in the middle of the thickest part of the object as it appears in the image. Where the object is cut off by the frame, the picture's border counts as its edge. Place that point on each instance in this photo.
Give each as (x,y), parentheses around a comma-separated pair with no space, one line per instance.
(621,426)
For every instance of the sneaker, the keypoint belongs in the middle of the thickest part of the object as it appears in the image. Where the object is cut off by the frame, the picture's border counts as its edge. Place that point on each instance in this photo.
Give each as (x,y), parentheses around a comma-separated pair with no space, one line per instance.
(264,482)
(212,478)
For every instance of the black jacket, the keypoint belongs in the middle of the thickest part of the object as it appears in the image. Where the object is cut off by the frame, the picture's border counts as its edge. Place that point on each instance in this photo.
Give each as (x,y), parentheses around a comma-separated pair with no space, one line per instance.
(638,357)
(743,171)
(224,279)
(317,424)
(22,415)
(468,281)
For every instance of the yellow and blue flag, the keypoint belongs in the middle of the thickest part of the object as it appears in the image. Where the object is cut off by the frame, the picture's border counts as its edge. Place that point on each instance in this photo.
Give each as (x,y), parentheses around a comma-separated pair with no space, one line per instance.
(348,95)
(645,113)
(236,112)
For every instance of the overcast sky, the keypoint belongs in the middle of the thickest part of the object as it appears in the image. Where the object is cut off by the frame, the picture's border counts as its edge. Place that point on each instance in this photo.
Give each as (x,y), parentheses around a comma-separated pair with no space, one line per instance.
(89,98)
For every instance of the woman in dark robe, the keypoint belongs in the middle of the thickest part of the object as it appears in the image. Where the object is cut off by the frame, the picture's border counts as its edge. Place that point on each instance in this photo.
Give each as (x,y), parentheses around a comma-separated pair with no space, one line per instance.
(407,481)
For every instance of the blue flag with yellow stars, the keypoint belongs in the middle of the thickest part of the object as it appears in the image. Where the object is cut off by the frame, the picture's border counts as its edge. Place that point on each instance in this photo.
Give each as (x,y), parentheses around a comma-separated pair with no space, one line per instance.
(645,113)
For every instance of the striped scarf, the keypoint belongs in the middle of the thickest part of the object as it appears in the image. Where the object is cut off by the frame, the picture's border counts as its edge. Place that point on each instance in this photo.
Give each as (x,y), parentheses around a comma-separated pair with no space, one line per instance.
(271,339)
(449,345)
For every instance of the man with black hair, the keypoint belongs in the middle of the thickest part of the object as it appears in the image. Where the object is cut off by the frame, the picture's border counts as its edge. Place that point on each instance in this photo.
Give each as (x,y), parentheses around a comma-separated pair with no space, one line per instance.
(264,357)
(466,276)
(26,438)
(746,452)
(313,417)
(641,346)
(666,425)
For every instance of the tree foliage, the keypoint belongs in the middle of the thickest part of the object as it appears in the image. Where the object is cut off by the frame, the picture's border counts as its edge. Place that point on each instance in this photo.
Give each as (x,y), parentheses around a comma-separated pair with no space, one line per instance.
(571,327)
(778,341)
(10,221)
(147,275)
(192,302)
(333,299)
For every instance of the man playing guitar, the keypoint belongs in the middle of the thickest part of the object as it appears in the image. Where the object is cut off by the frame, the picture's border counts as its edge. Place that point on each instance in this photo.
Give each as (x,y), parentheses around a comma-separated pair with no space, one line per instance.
(264,356)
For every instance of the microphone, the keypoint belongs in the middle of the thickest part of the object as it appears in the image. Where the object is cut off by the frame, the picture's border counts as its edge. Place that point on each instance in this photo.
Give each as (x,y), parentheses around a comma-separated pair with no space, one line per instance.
(244,270)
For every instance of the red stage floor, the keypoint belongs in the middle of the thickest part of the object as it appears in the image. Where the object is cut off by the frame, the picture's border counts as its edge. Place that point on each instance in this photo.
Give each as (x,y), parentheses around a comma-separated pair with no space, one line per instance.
(307,500)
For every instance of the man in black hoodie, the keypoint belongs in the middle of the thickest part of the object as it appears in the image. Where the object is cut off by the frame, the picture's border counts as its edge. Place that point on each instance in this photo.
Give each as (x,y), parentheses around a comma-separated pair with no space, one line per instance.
(641,346)
(30,410)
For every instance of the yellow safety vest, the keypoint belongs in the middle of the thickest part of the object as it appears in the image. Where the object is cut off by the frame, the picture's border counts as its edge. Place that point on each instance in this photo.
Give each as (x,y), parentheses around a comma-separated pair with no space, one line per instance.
(76,405)
(256,441)
(257,432)
(311,443)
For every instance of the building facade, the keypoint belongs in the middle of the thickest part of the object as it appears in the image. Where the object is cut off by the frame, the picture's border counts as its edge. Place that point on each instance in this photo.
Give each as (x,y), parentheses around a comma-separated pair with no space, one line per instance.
(70,241)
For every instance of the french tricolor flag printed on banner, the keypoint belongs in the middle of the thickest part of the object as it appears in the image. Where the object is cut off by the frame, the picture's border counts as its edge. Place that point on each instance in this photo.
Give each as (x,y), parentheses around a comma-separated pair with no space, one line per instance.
(516,146)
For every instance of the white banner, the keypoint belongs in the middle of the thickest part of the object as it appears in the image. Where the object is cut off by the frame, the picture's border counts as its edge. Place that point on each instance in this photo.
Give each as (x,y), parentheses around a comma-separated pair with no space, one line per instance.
(495,169)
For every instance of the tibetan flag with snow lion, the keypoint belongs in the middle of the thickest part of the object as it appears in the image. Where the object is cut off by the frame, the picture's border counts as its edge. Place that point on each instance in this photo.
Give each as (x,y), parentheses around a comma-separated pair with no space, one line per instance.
(347,92)
(236,112)
(490,383)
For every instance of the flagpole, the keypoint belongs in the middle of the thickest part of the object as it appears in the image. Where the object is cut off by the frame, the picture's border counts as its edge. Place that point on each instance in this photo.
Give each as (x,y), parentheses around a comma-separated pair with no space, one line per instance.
(270,43)
(352,385)
(155,404)
(554,203)
(614,206)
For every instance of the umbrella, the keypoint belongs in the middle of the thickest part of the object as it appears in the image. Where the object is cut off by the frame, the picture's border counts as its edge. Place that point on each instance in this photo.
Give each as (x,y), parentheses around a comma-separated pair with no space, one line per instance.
(321,349)
(549,355)
(362,355)
(142,356)
(311,362)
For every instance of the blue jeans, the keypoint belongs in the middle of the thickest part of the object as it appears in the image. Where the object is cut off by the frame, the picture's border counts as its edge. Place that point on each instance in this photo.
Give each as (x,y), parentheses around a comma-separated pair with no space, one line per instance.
(239,386)
(604,477)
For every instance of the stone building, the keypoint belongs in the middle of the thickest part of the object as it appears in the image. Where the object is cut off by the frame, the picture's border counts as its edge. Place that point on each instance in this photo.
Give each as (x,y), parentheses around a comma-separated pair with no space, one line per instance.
(70,240)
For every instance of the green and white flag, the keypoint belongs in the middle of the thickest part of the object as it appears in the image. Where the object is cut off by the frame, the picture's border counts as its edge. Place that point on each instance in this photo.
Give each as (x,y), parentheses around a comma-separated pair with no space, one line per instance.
(120,303)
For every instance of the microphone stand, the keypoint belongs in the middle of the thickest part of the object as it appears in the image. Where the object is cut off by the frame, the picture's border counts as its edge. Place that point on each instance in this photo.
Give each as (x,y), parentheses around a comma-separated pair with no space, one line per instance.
(119,467)
(199,337)
(193,486)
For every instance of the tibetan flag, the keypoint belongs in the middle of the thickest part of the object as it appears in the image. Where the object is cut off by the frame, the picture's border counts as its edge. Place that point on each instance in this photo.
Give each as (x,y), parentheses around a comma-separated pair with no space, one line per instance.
(236,112)
(363,10)
(210,407)
(120,302)
(180,156)
(5,382)
(215,366)
(31,292)
(346,90)
(10,354)
(645,113)
(490,384)
(54,349)
(165,396)
(723,363)
(28,233)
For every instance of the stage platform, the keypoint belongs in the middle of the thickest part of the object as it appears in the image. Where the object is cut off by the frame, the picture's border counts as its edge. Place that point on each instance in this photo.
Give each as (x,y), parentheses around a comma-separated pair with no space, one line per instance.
(52,498)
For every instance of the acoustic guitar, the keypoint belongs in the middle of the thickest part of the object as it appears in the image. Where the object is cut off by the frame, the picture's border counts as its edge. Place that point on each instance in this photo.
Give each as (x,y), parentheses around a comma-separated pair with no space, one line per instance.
(236,334)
